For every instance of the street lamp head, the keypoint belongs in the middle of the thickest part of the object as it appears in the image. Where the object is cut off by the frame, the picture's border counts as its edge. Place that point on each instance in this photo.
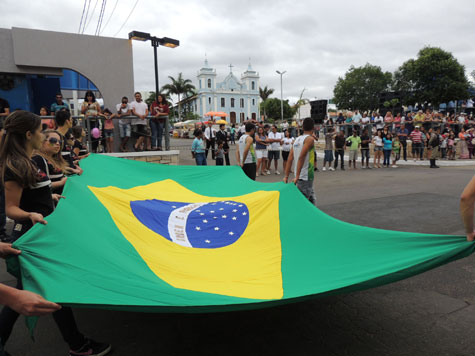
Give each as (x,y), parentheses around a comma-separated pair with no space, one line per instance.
(139,36)
(169,42)
(278,72)
(281,73)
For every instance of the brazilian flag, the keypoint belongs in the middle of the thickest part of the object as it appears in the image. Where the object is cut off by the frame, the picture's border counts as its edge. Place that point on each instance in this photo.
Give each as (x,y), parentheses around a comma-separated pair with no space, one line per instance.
(139,236)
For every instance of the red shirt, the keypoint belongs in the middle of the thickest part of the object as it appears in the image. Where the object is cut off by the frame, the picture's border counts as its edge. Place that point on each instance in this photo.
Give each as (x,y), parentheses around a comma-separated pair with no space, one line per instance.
(155,108)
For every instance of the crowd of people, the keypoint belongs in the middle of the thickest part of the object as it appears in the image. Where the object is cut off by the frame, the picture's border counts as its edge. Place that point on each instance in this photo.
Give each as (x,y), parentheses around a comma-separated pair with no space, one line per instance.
(147,124)
(36,161)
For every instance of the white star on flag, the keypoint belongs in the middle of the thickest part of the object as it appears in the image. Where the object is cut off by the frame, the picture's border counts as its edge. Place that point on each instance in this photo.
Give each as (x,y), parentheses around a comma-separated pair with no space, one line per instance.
(207,241)
(216,228)
(197,228)
(244,213)
(212,211)
(234,218)
(231,233)
(205,221)
(234,210)
(224,216)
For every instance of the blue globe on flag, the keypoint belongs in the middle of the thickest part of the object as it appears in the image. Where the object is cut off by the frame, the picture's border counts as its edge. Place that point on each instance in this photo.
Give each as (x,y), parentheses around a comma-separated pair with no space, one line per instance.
(197,225)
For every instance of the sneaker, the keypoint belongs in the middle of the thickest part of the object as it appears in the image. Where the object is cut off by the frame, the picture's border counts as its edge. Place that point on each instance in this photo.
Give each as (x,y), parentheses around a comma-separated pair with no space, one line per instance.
(394,166)
(91,348)
(331,169)
(257,174)
(324,169)
(277,172)
(268,172)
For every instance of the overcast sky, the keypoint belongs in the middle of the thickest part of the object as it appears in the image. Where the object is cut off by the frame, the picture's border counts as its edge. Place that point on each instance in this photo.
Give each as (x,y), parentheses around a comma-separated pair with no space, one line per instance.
(314,41)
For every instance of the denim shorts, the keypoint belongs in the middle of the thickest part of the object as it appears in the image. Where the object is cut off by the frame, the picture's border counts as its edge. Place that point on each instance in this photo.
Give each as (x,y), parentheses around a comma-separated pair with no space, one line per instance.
(378,148)
(328,156)
(109,133)
(124,130)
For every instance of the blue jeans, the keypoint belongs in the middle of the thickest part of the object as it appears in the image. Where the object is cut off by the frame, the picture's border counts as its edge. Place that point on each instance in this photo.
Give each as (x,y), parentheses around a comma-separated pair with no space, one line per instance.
(387,157)
(157,133)
(200,159)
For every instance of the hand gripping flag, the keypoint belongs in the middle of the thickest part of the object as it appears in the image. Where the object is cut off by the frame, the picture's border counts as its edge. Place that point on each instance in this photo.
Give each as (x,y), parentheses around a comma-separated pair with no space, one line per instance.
(139,236)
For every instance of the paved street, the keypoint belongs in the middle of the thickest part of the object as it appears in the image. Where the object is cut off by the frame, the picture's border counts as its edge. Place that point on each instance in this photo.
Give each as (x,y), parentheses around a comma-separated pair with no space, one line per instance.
(429,314)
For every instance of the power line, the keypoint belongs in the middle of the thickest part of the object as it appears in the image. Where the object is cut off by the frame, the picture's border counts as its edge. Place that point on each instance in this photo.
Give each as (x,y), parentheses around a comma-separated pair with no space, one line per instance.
(101,16)
(82,16)
(92,14)
(85,19)
(136,2)
(112,13)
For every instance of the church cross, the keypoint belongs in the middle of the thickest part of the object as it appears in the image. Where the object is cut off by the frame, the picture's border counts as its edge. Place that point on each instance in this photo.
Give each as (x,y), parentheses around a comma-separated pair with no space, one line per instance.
(231,68)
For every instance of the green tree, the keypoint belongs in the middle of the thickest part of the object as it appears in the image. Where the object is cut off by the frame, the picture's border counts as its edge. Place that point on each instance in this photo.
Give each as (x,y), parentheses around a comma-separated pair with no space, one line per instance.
(179,87)
(272,107)
(361,87)
(264,94)
(434,77)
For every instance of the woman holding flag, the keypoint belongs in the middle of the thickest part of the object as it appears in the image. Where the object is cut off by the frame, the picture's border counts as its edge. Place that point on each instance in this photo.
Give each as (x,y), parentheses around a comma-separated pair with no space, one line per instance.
(28,200)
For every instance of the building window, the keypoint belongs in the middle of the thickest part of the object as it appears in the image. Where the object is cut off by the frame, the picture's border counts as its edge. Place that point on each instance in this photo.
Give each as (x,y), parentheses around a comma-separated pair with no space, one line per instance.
(253,102)
(232,102)
(200,83)
(242,103)
(209,83)
(253,85)
(223,102)
(209,101)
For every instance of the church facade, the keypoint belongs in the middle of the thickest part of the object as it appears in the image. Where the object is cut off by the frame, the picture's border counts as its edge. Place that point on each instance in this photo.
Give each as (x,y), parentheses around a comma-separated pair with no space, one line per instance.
(239,98)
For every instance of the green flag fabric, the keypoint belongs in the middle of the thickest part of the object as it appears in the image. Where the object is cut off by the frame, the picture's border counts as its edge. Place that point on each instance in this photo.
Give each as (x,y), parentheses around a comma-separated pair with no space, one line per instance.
(133,235)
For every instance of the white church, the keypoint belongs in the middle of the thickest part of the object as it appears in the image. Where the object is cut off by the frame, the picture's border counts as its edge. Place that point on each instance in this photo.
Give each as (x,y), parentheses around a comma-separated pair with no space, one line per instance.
(239,98)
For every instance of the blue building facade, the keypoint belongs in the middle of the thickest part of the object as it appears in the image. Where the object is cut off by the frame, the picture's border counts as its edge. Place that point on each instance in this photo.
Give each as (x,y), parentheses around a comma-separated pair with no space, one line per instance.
(31,92)
(239,98)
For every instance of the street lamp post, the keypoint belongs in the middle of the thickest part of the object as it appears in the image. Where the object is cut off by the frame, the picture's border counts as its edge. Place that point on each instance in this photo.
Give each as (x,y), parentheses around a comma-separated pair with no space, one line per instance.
(156,42)
(281,95)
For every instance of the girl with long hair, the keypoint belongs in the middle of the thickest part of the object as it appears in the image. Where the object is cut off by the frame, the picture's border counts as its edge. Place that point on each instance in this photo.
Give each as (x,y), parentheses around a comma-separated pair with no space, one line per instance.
(28,200)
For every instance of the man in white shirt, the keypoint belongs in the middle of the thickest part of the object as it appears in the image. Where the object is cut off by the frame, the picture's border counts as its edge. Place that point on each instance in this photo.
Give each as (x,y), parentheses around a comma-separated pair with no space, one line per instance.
(140,109)
(379,121)
(210,137)
(285,125)
(275,138)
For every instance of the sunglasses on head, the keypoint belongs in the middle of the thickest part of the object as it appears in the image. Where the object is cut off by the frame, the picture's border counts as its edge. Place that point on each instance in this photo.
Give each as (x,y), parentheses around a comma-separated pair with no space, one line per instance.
(54,141)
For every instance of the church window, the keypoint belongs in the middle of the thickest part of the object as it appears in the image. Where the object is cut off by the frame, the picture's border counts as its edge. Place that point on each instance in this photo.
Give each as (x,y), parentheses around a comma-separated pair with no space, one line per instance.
(200,83)
(253,85)
(253,102)
(209,83)
(232,102)
(223,102)
(209,101)
(242,103)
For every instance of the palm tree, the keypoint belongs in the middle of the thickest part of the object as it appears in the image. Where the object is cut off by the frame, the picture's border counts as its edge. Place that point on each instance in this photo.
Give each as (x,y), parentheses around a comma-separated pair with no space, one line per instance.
(264,94)
(178,87)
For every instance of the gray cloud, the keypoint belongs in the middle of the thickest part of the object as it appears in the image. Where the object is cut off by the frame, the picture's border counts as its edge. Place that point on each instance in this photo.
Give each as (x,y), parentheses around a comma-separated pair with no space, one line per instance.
(314,41)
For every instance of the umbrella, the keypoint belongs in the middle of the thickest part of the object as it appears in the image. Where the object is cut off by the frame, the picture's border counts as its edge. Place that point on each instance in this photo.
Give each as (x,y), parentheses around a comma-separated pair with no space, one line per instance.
(216,113)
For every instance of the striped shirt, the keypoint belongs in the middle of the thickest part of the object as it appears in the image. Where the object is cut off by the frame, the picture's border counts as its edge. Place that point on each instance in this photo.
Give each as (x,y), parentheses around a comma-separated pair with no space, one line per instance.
(416,136)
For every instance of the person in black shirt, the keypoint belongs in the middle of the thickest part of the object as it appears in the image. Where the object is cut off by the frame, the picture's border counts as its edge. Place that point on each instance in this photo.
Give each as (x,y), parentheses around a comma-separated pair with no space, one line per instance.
(222,136)
(365,149)
(49,160)
(64,124)
(340,149)
(79,149)
(4,109)
(28,200)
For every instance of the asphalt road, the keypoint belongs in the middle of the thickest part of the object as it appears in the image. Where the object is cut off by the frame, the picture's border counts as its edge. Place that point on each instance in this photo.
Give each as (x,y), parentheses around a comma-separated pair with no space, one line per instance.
(429,314)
